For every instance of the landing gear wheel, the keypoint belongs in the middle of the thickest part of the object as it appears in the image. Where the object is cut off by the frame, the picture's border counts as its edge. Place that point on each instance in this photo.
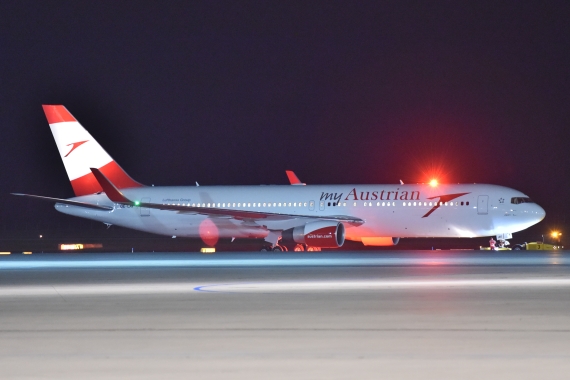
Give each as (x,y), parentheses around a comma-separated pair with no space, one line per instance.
(299,248)
(277,248)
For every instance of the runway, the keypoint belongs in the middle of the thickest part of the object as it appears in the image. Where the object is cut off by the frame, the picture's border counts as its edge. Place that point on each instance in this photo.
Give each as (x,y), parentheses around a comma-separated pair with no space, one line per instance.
(339,315)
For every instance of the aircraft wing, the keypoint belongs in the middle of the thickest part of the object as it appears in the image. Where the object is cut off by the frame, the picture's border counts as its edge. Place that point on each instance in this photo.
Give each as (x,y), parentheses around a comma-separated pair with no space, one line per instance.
(115,195)
(67,202)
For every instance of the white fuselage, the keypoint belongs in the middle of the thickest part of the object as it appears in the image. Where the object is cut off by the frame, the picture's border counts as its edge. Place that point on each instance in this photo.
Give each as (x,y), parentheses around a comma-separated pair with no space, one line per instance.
(387,210)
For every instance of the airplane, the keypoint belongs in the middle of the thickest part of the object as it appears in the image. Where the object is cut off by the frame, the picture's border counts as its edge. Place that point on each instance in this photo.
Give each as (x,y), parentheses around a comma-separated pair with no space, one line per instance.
(307,217)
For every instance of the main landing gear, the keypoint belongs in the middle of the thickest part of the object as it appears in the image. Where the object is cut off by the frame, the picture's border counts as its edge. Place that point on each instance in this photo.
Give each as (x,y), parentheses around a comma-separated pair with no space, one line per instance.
(277,248)
(284,248)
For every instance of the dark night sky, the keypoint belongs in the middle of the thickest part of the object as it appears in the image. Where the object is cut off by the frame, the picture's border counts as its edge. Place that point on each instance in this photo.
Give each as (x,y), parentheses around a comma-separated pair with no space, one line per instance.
(341,92)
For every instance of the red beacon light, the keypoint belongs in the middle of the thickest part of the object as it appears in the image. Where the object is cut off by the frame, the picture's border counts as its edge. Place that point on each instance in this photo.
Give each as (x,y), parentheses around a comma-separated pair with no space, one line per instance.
(433,182)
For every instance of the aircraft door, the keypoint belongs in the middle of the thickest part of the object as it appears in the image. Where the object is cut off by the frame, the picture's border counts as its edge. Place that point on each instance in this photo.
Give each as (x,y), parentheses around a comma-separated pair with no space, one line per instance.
(145,211)
(311,205)
(483,204)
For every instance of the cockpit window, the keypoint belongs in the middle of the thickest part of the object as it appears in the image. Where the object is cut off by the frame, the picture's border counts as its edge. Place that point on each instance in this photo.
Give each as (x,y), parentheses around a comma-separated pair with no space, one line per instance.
(519,200)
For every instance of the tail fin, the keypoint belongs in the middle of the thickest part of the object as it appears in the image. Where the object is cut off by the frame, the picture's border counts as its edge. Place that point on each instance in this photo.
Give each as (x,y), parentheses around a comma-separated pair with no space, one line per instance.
(80,152)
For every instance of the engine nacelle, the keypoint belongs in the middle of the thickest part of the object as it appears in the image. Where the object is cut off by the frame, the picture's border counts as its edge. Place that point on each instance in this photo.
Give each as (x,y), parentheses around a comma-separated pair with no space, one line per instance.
(323,234)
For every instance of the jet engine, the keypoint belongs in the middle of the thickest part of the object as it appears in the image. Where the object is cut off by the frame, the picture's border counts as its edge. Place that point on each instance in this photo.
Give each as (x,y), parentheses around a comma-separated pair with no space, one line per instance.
(323,234)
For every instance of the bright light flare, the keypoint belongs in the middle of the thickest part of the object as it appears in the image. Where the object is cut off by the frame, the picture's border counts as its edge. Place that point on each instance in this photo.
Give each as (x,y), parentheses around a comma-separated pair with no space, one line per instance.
(555,234)
(209,232)
(434,173)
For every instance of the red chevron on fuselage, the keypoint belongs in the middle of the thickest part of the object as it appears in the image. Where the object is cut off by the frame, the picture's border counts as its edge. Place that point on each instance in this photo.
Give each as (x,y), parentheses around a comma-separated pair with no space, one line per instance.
(442,199)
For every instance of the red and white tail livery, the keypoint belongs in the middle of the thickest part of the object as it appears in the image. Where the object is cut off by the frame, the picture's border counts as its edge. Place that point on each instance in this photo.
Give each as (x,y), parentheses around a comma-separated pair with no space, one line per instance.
(80,152)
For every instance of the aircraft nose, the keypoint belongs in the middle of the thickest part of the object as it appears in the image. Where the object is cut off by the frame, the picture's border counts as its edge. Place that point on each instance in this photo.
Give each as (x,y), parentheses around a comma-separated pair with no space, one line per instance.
(541,213)
(537,212)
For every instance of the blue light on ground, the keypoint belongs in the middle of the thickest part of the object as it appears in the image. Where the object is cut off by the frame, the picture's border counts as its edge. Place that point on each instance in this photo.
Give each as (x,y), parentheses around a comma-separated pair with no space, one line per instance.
(333,259)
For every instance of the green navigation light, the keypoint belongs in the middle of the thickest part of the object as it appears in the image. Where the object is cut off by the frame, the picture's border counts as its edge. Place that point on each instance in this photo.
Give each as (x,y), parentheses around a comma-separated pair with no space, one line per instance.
(137,203)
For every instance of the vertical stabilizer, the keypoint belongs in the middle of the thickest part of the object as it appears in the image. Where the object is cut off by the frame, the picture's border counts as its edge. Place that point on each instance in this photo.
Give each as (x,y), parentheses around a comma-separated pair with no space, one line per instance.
(80,152)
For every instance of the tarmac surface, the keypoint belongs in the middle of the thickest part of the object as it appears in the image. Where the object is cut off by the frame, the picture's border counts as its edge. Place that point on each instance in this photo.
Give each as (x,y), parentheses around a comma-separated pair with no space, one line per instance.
(334,315)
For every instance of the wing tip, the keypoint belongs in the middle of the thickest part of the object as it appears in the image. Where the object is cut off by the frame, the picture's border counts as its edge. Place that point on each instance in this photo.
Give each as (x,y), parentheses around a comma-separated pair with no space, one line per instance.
(293,179)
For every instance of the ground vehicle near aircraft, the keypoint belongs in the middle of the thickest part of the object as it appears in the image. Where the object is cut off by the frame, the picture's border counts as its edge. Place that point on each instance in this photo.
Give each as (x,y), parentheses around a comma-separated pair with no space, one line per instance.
(293,217)
(535,246)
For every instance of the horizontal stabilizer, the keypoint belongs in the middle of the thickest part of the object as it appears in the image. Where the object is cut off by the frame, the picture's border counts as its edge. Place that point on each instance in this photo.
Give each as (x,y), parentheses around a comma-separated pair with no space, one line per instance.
(112,192)
(66,201)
